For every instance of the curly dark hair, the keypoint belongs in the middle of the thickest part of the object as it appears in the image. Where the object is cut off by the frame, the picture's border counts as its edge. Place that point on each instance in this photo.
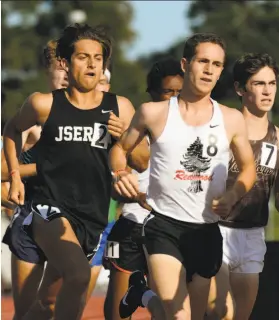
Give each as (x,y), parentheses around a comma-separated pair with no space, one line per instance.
(160,70)
(76,32)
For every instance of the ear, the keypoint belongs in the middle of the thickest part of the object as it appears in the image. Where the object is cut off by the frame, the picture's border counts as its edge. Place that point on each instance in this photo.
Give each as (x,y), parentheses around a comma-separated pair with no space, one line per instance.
(64,64)
(183,63)
(239,90)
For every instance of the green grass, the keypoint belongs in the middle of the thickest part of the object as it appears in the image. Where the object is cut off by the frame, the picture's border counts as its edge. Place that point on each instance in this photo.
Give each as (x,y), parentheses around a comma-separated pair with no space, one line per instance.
(272,229)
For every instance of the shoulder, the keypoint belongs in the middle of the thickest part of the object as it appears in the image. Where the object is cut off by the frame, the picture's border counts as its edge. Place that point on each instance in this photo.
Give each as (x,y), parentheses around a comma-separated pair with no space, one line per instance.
(232,116)
(153,108)
(40,97)
(231,112)
(124,102)
(126,109)
(125,105)
(39,100)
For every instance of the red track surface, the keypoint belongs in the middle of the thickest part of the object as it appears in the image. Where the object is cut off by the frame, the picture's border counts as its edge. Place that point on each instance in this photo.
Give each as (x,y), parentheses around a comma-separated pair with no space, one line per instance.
(93,310)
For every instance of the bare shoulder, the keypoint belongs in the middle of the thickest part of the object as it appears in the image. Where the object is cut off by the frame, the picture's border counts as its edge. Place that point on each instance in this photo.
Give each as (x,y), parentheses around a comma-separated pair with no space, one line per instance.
(234,122)
(126,109)
(38,99)
(123,100)
(40,104)
(153,109)
(231,114)
(35,110)
(124,103)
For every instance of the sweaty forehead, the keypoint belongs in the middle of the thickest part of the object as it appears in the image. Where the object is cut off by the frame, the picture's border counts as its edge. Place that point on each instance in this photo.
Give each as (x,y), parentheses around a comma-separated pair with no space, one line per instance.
(265,74)
(88,46)
(210,51)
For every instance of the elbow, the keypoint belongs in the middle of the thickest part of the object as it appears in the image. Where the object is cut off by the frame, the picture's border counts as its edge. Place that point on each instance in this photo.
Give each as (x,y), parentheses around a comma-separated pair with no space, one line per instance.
(143,166)
(140,164)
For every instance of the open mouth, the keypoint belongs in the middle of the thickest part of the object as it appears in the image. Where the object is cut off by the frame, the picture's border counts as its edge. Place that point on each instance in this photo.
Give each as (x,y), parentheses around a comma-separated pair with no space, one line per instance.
(90,74)
(206,80)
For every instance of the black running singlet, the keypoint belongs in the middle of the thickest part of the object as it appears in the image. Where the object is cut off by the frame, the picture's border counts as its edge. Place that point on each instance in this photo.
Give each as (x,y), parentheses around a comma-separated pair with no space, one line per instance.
(252,210)
(72,164)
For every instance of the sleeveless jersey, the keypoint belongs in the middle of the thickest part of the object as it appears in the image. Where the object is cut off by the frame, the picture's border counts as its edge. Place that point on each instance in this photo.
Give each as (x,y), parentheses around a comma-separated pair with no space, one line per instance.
(252,210)
(188,167)
(30,155)
(134,211)
(72,164)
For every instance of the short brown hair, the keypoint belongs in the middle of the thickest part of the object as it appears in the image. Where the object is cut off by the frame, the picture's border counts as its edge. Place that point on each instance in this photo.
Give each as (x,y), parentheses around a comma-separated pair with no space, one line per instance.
(192,43)
(49,53)
(250,63)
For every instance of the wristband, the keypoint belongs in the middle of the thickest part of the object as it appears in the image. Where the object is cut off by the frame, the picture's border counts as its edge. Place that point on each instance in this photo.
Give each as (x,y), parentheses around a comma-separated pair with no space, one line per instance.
(13,172)
(116,176)
(115,173)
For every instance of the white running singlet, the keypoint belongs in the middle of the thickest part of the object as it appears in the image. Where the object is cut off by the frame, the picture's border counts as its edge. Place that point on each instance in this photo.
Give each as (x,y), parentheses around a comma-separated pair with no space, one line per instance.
(134,211)
(188,167)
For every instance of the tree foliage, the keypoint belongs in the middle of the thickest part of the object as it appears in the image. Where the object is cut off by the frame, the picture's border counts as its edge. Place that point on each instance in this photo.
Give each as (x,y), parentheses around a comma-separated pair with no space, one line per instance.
(36,22)
(246,26)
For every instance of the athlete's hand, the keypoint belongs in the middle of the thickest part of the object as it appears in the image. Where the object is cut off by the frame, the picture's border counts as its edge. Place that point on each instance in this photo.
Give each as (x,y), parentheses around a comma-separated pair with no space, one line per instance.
(17,191)
(126,184)
(115,126)
(141,198)
(223,206)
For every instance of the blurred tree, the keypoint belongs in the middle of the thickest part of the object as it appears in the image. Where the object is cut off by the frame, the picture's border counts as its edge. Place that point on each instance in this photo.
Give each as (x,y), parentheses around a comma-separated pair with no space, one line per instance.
(28,25)
(246,26)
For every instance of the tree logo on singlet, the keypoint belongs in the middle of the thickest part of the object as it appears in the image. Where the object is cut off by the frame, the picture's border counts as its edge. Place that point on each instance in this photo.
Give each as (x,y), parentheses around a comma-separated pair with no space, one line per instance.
(195,163)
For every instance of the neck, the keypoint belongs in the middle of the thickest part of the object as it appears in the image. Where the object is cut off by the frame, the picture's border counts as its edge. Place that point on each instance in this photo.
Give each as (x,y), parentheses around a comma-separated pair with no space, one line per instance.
(256,123)
(194,101)
(81,97)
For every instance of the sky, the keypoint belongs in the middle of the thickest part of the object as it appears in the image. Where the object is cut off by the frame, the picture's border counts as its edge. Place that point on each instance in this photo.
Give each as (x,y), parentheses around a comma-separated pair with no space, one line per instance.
(159,24)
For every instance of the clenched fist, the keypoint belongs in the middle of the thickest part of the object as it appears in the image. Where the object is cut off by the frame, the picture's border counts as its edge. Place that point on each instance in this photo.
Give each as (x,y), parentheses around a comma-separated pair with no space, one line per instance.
(223,206)
(115,126)
(126,184)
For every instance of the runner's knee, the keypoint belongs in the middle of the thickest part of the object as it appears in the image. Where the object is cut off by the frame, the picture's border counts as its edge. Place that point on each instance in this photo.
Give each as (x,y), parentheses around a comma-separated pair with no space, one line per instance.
(78,277)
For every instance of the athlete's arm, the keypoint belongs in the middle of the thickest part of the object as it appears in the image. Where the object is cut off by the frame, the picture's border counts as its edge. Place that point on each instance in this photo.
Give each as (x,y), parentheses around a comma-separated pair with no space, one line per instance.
(138,158)
(124,183)
(244,158)
(34,111)
(243,155)
(25,170)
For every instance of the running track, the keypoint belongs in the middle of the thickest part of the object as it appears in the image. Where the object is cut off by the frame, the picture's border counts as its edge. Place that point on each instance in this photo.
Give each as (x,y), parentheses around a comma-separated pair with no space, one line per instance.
(93,310)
